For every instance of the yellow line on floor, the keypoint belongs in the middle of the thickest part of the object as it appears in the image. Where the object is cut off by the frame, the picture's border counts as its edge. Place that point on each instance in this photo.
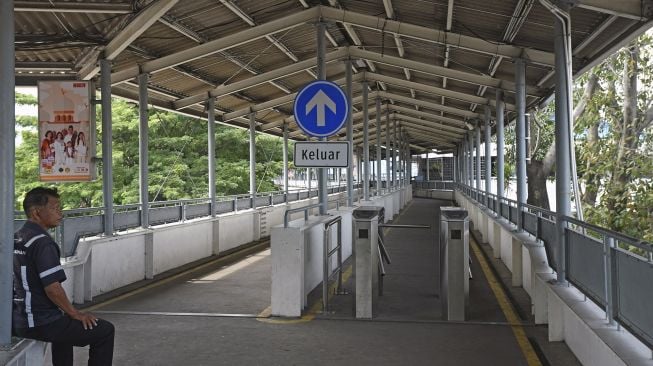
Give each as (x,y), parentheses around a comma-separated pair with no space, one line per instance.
(506,307)
(310,314)
(171,278)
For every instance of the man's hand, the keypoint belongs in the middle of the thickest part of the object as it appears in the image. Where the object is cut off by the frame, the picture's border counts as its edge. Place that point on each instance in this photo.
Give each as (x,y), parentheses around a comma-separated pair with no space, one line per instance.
(57,294)
(88,320)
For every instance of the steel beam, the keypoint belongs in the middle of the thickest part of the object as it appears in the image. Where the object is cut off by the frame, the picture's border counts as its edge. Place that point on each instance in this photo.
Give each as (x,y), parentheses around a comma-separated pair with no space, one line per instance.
(259,79)
(220,44)
(476,79)
(432,35)
(631,9)
(142,22)
(431,89)
(71,7)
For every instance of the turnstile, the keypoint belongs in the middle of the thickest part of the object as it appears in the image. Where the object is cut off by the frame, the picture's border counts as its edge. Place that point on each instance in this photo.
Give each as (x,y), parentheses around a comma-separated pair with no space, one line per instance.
(366,259)
(454,262)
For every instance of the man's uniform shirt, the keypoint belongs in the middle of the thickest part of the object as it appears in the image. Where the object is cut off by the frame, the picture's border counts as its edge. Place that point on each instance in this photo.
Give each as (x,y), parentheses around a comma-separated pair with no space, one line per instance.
(36,265)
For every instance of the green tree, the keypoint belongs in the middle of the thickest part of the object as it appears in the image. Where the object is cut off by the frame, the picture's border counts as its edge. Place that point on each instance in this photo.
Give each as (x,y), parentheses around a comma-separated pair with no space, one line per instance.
(613,116)
(178,159)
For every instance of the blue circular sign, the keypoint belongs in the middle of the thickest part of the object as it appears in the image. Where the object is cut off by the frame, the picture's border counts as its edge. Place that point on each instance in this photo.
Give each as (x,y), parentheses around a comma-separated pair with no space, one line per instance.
(321,108)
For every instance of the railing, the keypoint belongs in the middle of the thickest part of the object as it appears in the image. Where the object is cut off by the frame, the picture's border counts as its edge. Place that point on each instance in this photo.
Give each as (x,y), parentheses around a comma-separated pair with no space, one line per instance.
(327,256)
(286,215)
(83,222)
(613,270)
(435,184)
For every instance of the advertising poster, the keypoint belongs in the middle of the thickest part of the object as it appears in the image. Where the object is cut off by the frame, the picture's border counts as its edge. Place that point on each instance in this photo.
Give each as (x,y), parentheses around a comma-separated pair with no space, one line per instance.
(65,131)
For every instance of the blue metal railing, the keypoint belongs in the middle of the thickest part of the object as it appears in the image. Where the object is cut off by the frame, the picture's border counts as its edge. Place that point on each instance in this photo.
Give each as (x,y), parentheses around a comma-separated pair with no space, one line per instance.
(612,269)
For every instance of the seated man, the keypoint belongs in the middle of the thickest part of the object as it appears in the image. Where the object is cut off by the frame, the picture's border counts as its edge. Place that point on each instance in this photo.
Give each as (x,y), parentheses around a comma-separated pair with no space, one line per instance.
(41,309)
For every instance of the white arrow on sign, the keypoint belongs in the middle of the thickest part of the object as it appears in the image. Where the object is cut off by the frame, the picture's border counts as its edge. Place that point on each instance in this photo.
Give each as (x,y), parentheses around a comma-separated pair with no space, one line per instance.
(320,101)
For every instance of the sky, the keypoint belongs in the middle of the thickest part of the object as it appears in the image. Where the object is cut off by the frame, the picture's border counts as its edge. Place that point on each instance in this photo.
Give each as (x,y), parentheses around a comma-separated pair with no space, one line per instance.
(23,110)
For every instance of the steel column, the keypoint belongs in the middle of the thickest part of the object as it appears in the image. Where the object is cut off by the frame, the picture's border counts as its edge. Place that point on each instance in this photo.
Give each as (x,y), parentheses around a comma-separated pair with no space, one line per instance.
(394,152)
(7,157)
(428,173)
(252,158)
(488,156)
(321,75)
(211,142)
(366,146)
(107,151)
(500,113)
(143,149)
(350,136)
(470,156)
(478,160)
(520,135)
(388,184)
(562,138)
(285,161)
(378,146)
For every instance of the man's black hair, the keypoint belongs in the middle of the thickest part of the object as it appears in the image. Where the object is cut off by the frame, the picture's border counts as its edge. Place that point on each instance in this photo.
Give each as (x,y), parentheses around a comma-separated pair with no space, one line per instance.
(38,197)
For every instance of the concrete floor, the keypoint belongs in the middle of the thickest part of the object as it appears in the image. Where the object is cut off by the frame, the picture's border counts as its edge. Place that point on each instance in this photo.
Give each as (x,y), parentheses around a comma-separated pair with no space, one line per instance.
(209,317)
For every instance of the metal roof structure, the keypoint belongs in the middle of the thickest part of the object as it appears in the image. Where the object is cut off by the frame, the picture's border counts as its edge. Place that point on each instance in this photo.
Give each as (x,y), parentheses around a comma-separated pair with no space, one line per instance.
(432,62)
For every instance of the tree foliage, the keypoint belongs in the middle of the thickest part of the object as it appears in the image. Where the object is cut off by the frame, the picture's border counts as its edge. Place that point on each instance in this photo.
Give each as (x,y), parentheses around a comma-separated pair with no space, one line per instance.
(613,130)
(178,159)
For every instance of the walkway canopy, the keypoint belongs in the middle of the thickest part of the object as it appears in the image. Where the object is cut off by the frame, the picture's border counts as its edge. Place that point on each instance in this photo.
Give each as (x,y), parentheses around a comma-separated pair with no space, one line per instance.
(434,64)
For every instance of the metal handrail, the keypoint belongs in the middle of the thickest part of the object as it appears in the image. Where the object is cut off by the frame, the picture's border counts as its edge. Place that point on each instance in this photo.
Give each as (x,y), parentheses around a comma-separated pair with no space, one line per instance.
(286,215)
(327,255)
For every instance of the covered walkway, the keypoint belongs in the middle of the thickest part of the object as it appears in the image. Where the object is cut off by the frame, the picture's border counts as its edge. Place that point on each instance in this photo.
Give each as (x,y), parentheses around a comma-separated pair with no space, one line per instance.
(216,314)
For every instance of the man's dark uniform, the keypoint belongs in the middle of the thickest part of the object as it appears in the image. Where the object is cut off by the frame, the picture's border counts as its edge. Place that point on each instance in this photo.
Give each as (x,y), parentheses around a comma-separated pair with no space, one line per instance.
(35,316)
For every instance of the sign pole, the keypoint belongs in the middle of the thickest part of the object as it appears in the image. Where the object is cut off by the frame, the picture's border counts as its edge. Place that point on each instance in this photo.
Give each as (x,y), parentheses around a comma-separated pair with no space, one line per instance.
(321,75)
(350,136)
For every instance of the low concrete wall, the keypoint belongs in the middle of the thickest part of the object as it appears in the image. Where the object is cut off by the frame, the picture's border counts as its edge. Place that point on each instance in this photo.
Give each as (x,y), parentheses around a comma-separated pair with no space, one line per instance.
(103,264)
(571,317)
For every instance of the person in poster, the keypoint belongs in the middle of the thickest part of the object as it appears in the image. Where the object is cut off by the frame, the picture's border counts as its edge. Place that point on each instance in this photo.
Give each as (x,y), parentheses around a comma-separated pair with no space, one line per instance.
(64,128)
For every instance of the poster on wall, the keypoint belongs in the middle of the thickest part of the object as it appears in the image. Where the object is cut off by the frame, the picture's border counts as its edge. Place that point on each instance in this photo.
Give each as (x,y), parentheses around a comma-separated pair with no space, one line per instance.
(65,131)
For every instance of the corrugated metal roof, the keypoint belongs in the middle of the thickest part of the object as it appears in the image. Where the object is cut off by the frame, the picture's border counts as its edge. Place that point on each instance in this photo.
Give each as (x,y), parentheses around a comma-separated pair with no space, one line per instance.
(49,43)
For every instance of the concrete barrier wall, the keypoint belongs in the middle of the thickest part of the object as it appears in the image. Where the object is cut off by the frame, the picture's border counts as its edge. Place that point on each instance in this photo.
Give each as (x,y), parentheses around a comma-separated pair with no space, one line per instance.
(104,264)
(570,316)
(181,244)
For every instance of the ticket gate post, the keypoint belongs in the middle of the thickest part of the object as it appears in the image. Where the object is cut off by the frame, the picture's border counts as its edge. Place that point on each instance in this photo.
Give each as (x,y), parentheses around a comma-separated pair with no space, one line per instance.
(454,262)
(366,259)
